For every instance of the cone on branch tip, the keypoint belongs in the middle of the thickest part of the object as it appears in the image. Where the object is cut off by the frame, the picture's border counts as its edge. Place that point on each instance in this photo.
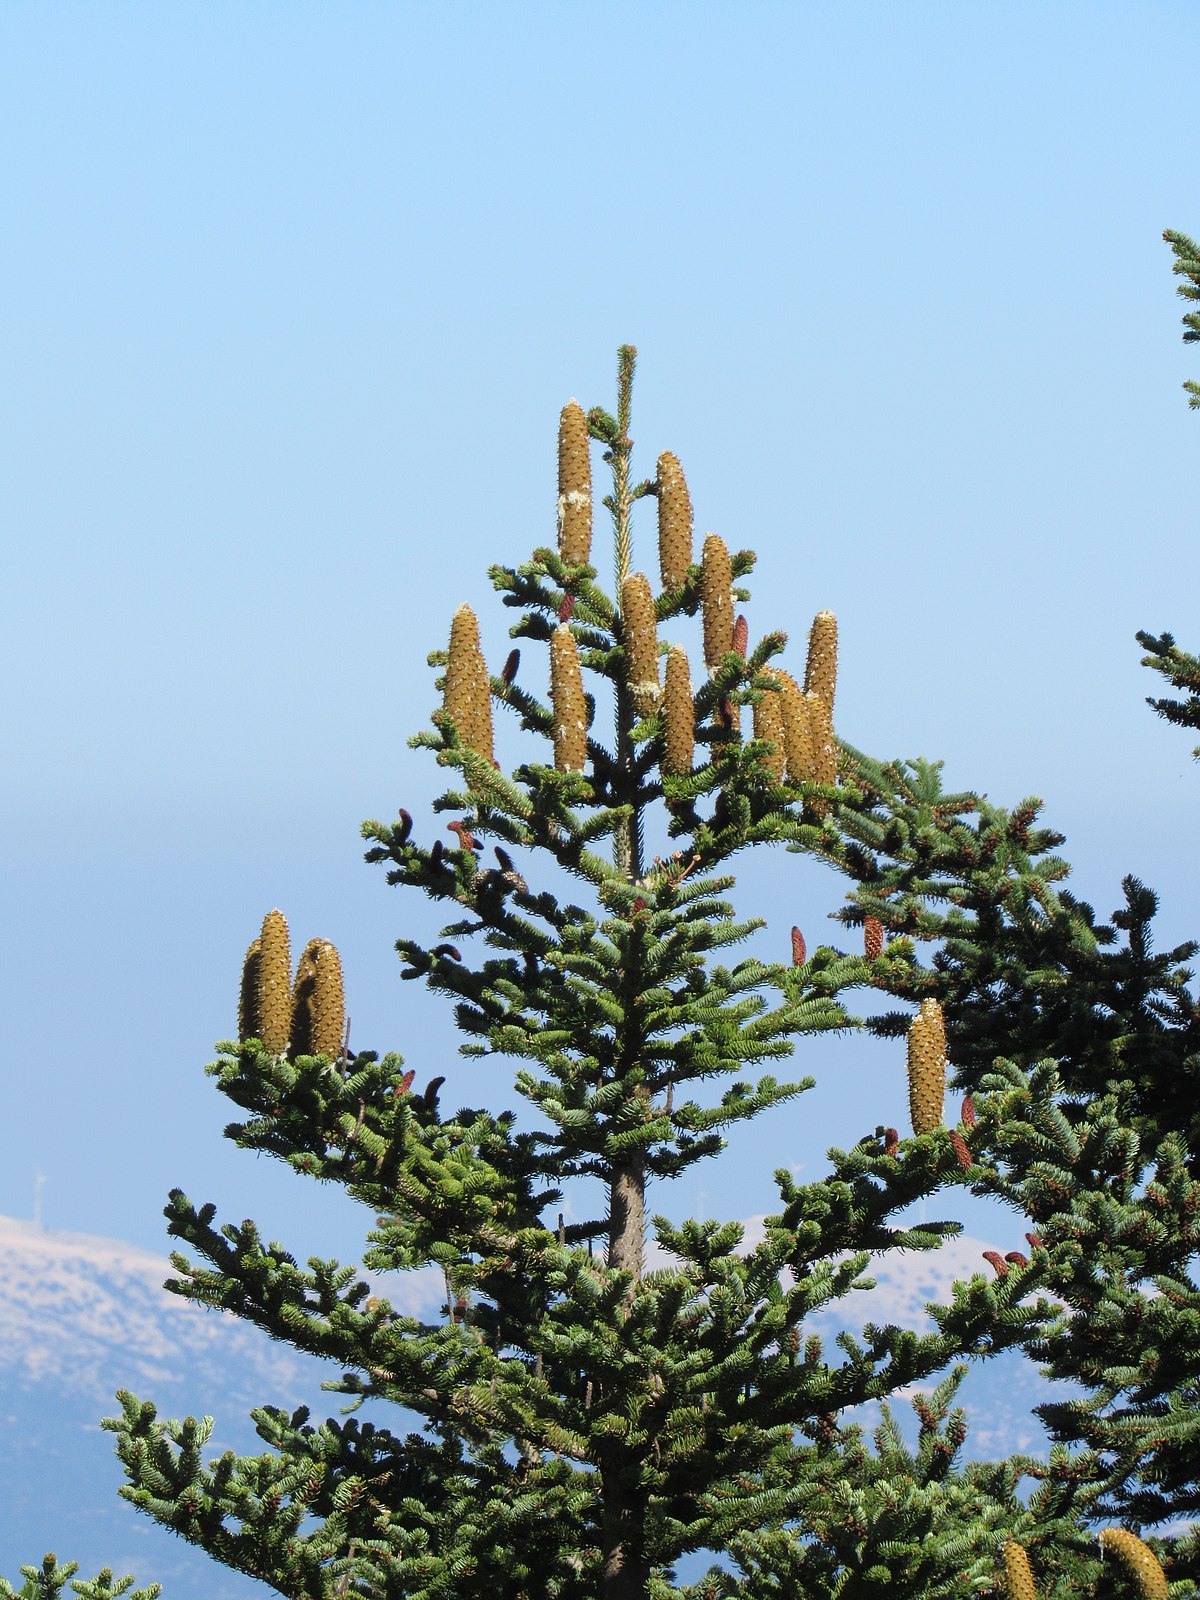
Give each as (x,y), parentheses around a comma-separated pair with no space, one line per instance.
(679,715)
(248,998)
(1138,1560)
(467,697)
(300,1040)
(768,725)
(716,599)
(961,1153)
(820,673)
(574,487)
(872,938)
(674,522)
(741,636)
(273,997)
(1018,1576)
(799,948)
(639,628)
(566,698)
(798,745)
(820,721)
(927,1066)
(328,1003)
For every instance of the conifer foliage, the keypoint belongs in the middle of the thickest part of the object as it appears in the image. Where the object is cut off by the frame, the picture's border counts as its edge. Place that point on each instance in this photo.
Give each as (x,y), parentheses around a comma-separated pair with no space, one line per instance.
(589,1413)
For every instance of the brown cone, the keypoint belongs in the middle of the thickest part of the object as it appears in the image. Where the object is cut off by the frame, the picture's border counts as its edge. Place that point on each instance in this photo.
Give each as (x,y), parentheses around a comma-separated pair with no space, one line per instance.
(566,697)
(679,715)
(1018,1577)
(248,998)
(716,599)
(467,697)
(961,1153)
(820,674)
(574,487)
(301,1039)
(768,724)
(639,626)
(927,1067)
(674,522)
(872,938)
(799,948)
(1138,1560)
(273,1001)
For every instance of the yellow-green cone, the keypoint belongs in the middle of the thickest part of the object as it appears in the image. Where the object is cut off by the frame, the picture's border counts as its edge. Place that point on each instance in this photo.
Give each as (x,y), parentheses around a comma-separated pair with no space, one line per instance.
(768,724)
(798,745)
(1138,1560)
(639,626)
(927,1067)
(273,999)
(679,715)
(566,698)
(820,673)
(674,522)
(824,745)
(328,1003)
(716,599)
(574,486)
(248,998)
(1018,1576)
(467,697)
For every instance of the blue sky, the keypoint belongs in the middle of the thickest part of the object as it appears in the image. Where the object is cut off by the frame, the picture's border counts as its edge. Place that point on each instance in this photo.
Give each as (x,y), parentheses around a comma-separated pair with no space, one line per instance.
(293,296)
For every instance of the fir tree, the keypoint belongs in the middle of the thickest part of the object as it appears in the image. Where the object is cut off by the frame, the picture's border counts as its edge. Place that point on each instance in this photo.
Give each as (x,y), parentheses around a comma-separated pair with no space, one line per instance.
(587,1420)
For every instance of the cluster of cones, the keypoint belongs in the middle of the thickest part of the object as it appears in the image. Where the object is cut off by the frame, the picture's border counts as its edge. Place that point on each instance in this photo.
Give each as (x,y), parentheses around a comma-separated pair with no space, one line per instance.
(303,1015)
(1134,1555)
(795,718)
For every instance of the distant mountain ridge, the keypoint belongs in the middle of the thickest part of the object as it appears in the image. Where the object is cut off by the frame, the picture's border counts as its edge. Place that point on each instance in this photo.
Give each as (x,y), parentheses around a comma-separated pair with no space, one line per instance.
(82,1315)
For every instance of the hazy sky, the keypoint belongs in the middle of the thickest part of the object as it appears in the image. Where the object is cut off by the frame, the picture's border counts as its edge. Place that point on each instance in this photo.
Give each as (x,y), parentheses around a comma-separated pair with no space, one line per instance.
(292,297)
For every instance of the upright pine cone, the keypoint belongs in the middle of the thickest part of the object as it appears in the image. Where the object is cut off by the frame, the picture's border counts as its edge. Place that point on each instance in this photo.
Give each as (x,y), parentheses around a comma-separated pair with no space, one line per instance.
(820,673)
(927,1066)
(824,744)
(273,999)
(467,697)
(1018,1577)
(674,522)
(679,715)
(639,626)
(1138,1560)
(329,1004)
(318,1002)
(300,1041)
(716,599)
(798,745)
(768,724)
(872,938)
(248,998)
(574,487)
(566,697)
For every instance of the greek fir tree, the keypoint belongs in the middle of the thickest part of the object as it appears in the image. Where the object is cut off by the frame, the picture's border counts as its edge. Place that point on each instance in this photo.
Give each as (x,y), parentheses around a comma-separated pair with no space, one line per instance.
(588,1415)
